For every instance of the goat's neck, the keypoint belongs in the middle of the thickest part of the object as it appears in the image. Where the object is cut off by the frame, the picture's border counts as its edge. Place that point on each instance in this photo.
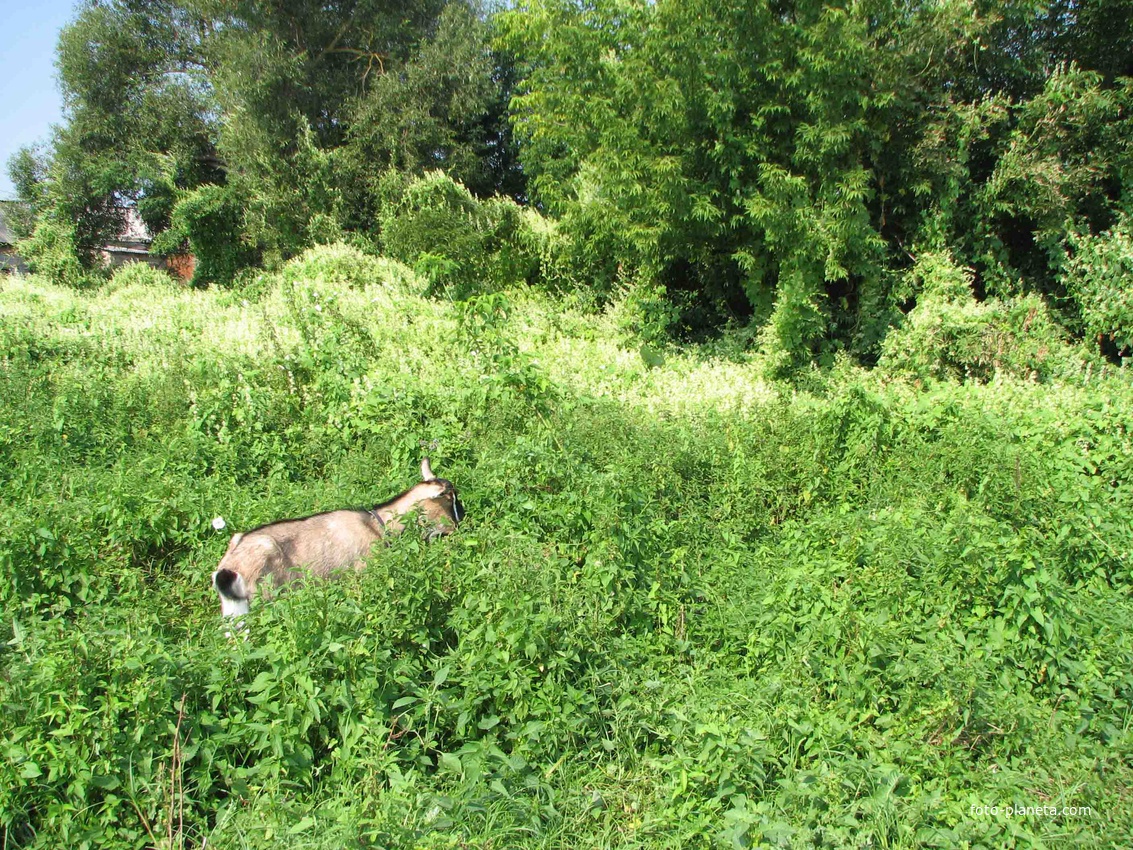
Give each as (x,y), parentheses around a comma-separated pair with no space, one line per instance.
(391,524)
(391,513)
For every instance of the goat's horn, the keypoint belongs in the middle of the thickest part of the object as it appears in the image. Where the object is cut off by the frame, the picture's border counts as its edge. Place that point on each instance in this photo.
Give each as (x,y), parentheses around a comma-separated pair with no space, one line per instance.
(426,470)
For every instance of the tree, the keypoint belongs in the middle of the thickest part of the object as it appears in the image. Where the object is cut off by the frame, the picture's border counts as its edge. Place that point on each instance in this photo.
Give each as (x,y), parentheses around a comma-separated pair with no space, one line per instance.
(165,97)
(140,118)
(27,170)
(287,77)
(785,160)
(444,109)
(719,149)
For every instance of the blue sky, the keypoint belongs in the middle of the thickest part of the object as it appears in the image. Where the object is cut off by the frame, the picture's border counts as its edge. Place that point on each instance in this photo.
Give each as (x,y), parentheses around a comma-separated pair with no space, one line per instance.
(29,94)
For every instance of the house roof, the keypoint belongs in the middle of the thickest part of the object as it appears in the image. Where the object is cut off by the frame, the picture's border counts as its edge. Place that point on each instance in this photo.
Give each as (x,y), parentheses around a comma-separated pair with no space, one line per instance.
(134,229)
(134,232)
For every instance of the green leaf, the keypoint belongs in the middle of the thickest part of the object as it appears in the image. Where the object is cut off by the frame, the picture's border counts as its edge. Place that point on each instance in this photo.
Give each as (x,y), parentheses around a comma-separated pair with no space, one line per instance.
(651,356)
(304,824)
(31,770)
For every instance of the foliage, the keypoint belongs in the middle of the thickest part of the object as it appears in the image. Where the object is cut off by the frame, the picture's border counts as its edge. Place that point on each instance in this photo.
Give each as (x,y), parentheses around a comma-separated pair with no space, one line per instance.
(140,275)
(735,170)
(949,334)
(775,168)
(207,221)
(139,117)
(444,109)
(26,171)
(337,267)
(1098,276)
(691,604)
(686,604)
(643,315)
(1069,147)
(464,245)
(778,164)
(291,108)
(52,250)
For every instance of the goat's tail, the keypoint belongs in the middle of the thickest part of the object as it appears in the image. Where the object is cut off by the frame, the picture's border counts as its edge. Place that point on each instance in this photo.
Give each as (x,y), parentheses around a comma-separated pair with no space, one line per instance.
(233,592)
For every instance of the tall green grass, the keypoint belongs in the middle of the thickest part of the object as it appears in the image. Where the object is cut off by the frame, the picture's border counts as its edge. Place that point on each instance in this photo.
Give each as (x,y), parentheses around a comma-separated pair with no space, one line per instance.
(689,607)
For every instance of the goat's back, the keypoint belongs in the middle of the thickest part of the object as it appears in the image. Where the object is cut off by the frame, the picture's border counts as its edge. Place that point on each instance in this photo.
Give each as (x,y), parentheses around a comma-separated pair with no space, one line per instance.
(321,544)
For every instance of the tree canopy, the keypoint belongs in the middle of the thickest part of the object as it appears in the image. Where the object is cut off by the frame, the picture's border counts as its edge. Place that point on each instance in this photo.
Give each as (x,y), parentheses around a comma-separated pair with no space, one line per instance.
(296,109)
(779,164)
(785,160)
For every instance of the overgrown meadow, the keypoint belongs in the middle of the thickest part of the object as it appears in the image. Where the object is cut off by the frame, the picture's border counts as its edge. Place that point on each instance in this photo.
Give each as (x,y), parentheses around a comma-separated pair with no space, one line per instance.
(690,606)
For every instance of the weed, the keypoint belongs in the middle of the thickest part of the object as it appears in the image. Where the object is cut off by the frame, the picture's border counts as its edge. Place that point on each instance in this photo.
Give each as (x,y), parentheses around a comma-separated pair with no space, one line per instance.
(688,607)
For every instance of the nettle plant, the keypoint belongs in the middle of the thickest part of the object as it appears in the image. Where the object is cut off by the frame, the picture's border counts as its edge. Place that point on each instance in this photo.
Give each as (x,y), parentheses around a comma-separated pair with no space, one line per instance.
(686,601)
(504,375)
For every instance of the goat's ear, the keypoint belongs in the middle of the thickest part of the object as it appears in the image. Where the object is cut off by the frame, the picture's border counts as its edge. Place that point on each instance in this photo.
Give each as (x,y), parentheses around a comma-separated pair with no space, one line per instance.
(426,470)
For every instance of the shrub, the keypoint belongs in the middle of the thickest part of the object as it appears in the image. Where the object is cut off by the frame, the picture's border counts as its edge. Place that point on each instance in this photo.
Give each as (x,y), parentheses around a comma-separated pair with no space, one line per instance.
(464,245)
(644,316)
(52,251)
(345,265)
(948,334)
(1099,277)
(138,274)
(550,251)
(210,221)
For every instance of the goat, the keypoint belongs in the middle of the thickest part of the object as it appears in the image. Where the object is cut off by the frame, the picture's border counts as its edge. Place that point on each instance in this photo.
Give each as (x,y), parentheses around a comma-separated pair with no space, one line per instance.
(275,554)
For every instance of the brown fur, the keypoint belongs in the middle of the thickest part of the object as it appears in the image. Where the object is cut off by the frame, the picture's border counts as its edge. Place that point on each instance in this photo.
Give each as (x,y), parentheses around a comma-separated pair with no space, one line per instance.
(275,554)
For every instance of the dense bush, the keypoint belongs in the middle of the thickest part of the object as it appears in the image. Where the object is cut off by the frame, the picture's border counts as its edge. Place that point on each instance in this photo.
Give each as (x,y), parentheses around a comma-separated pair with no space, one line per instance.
(462,244)
(51,250)
(1098,278)
(686,606)
(778,168)
(343,266)
(948,334)
(209,223)
(141,275)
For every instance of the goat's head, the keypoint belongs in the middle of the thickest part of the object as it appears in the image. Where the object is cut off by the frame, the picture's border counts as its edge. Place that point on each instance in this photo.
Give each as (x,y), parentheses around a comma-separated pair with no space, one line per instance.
(434,500)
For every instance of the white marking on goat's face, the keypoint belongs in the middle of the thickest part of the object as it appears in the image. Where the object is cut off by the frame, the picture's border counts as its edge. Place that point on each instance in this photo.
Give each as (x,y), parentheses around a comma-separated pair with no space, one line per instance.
(431,492)
(235,602)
